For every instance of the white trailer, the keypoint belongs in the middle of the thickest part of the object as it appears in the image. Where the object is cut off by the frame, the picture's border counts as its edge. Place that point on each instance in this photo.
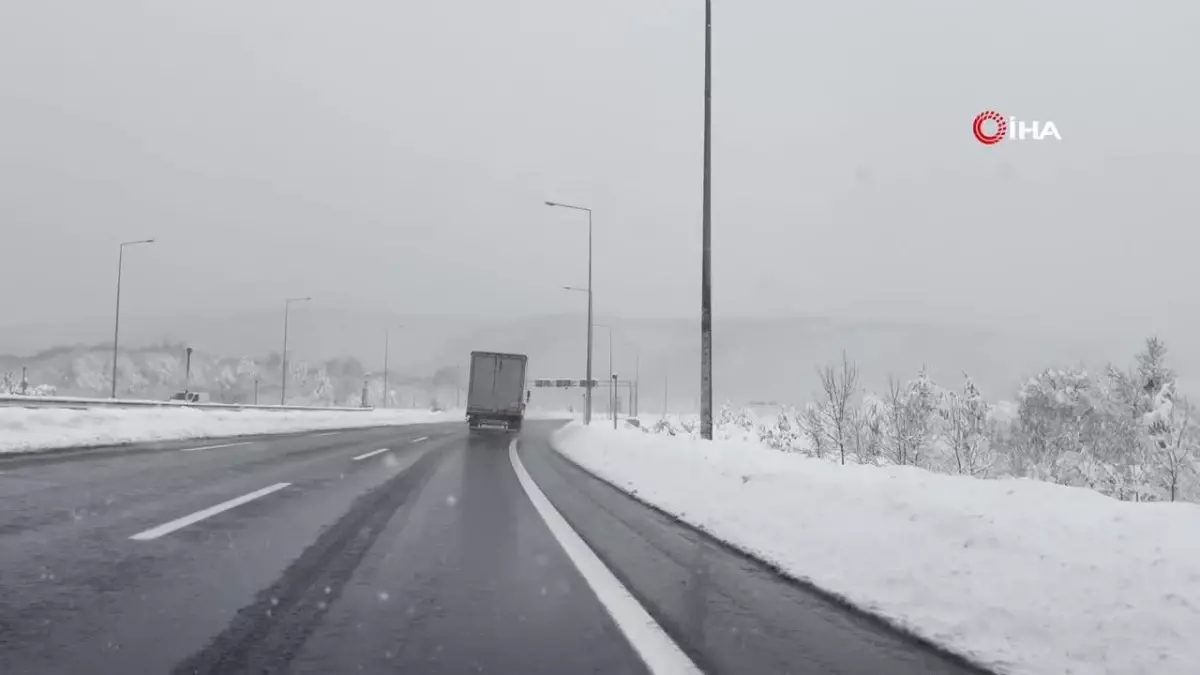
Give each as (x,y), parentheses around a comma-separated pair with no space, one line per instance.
(496,394)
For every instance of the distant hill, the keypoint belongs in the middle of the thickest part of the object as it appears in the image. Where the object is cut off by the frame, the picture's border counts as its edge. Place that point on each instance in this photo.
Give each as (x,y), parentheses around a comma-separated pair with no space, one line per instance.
(335,351)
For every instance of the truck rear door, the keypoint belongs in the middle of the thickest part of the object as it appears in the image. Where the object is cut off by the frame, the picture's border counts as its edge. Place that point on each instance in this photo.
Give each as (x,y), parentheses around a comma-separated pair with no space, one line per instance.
(480,395)
(510,382)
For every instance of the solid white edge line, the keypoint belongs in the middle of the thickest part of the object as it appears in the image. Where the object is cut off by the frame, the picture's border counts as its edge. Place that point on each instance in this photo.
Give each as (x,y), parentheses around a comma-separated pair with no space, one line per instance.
(214,447)
(180,523)
(371,454)
(329,433)
(418,440)
(657,650)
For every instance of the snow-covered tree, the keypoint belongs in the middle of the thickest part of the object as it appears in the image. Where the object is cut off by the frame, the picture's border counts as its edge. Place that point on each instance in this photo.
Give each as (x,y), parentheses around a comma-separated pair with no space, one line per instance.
(1056,409)
(897,421)
(965,428)
(839,385)
(872,420)
(1154,375)
(815,425)
(784,434)
(1174,448)
(921,404)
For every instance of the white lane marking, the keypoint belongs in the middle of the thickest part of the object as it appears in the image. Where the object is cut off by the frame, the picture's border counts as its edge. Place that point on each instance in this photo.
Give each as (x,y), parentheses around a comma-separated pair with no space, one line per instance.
(371,454)
(214,447)
(660,654)
(330,433)
(418,440)
(180,523)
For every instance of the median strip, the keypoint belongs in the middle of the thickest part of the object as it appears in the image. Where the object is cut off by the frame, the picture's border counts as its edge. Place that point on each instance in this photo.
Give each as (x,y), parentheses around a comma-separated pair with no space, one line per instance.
(371,454)
(180,523)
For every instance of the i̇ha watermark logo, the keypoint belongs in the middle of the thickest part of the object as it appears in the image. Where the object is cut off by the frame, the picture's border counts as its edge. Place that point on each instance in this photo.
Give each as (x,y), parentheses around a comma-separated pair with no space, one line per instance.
(990,128)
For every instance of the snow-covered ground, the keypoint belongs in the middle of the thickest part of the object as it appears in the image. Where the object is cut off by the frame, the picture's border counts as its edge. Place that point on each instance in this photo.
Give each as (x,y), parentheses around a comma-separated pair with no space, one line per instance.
(540,414)
(32,429)
(1021,576)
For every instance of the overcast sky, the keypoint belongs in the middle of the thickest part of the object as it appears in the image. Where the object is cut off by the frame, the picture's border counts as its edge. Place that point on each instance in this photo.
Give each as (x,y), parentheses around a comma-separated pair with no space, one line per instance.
(395,156)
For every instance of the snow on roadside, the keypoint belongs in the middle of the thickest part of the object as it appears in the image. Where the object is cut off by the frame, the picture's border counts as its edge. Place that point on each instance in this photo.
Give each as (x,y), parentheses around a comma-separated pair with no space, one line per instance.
(542,414)
(33,429)
(1024,577)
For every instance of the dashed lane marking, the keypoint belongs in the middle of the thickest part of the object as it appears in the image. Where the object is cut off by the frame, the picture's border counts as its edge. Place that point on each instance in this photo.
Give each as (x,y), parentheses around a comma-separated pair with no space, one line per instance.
(214,447)
(180,523)
(371,454)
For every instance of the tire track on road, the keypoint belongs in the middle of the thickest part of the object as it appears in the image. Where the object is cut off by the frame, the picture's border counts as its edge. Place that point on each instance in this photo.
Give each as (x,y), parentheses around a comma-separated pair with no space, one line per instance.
(268,633)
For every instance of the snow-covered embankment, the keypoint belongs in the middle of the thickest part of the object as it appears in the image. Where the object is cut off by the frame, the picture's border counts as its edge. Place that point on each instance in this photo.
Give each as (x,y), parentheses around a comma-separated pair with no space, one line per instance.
(33,429)
(1021,576)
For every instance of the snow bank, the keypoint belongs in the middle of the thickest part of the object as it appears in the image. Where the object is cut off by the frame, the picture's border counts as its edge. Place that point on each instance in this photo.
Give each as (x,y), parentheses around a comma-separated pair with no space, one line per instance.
(1021,576)
(27,430)
(540,414)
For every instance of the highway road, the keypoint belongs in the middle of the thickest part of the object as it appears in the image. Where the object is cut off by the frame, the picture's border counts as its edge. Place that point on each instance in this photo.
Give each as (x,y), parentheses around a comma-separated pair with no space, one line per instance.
(414,549)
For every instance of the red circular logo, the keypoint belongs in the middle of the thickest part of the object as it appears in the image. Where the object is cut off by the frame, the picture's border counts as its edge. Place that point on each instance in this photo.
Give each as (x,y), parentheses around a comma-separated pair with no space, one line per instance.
(989,116)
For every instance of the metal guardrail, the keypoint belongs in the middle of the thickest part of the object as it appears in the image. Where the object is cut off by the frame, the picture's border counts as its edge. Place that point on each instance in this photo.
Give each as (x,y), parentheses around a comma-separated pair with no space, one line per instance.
(15,401)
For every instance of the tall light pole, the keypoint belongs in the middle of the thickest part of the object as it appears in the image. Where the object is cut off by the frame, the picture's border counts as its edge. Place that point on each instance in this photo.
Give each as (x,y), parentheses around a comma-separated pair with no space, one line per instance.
(706,422)
(613,377)
(612,393)
(587,413)
(387,341)
(187,377)
(666,390)
(117,320)
(287,303)
(637,384)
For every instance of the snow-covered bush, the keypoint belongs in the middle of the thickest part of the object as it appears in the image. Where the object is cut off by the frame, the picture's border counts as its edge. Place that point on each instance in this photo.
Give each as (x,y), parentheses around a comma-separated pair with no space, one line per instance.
(16,385)
(1125,434)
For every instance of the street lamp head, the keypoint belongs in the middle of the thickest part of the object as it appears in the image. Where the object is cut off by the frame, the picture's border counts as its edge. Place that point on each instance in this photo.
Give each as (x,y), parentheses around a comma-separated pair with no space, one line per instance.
(551,204)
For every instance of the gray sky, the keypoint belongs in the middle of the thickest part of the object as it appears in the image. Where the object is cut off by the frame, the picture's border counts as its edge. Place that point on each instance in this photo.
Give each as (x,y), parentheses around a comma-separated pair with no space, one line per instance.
(395,156)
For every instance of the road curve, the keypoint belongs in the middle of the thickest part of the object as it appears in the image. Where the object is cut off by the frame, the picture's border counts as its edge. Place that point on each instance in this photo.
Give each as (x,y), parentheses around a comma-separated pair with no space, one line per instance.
(400,549)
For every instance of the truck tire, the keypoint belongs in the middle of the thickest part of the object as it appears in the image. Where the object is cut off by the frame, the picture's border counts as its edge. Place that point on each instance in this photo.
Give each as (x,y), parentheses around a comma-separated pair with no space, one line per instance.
(514,424)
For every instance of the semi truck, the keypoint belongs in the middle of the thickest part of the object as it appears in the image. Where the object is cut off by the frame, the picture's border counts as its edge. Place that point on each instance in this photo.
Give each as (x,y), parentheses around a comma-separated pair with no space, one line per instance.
(496,394)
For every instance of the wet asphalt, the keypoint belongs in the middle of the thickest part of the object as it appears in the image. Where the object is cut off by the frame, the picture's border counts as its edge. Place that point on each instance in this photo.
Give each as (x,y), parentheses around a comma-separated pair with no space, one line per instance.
(424,558)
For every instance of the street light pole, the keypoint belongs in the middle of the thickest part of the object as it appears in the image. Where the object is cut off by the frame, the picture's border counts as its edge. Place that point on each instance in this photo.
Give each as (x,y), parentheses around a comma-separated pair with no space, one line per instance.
(636,394)
(587,413)
(387,341)
(117,319)
(612,393)
(613,377)
(287,303)
(187,377)
(706,293)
